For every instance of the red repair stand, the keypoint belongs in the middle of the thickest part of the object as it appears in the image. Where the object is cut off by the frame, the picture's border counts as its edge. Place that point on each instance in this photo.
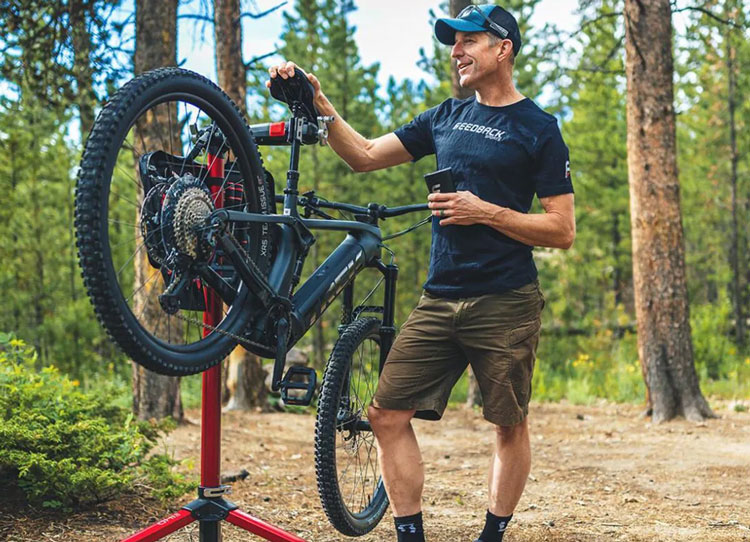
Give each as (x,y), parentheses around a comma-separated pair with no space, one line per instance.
(210,508)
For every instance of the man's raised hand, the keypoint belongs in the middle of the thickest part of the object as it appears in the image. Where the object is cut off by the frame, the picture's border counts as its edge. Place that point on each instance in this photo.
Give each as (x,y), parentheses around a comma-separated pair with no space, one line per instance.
(285,70)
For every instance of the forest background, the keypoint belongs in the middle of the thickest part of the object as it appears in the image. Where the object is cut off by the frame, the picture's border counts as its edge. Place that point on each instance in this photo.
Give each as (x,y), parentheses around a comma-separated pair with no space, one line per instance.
(588,348)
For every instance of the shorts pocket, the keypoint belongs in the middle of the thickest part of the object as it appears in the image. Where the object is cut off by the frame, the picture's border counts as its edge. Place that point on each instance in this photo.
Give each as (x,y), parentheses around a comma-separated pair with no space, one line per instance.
(523,332)
(541,297)
(523,342)
(526,289)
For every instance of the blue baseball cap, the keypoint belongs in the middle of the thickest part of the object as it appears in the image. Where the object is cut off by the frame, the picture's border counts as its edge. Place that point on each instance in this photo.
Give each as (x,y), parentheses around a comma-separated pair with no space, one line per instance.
(484,18)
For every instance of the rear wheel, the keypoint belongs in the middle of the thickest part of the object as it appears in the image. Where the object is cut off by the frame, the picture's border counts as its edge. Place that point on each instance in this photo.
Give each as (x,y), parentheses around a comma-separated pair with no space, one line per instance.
(346,460)
(164,153)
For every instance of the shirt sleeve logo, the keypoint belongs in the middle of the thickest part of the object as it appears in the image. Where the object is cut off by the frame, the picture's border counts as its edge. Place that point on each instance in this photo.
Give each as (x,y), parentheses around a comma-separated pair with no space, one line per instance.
(488,131)
(567,169)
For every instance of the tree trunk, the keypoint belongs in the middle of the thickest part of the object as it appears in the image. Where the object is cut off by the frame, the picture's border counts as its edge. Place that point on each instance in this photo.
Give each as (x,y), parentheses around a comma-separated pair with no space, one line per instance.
(154,396)
(457,90)
(616,278)
(734,252)
(228,37)
(664,338)
(84,73)
(246,381)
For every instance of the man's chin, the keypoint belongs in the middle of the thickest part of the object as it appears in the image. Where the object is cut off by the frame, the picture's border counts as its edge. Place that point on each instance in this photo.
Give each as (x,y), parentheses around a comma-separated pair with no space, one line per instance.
(466,82)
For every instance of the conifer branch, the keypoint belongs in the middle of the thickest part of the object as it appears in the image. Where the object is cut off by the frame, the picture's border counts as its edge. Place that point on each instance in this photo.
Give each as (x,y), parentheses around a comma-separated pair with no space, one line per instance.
(249,65)
(262,13)
(708,13)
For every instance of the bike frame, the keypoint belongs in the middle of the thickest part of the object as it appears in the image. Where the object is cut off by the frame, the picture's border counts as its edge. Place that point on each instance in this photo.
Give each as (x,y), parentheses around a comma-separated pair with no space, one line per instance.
(359,250)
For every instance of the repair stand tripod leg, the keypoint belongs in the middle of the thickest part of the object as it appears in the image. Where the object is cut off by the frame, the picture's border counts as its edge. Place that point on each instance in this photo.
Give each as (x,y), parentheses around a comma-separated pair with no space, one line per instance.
(211,508)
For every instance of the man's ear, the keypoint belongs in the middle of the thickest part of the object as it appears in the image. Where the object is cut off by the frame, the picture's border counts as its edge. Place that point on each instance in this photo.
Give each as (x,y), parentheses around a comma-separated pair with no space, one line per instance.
(506,49)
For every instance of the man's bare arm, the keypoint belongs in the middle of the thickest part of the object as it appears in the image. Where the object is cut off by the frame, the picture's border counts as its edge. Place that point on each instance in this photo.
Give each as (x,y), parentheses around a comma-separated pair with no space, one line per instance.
(556,227)
(360,153)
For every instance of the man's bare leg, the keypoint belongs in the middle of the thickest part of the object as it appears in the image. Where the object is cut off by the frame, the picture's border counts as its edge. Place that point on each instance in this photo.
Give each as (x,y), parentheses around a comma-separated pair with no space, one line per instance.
(400,459)
(510,467)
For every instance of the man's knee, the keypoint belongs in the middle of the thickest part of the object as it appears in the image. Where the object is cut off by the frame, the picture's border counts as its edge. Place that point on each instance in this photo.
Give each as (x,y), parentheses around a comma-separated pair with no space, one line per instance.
(508,435)
(384,420)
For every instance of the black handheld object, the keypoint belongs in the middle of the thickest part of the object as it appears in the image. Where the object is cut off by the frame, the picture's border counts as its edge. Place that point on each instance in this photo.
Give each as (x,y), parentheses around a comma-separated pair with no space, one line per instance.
(440,181)
(296,90)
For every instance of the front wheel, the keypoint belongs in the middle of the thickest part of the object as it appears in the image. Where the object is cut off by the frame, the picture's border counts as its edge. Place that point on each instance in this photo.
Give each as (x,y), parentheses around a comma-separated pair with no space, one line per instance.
(346,460)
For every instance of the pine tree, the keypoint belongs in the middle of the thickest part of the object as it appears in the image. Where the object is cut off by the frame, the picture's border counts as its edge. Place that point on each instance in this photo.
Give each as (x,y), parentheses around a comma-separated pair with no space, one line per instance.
(664,338)
(713,82)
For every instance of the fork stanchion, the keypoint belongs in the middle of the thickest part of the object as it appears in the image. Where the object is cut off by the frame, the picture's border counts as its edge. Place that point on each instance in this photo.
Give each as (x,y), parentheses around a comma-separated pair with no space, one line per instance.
(210,508)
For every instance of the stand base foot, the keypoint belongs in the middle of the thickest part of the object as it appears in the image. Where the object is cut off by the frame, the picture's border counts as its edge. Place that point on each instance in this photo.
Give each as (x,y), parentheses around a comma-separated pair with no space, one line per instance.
(209,512)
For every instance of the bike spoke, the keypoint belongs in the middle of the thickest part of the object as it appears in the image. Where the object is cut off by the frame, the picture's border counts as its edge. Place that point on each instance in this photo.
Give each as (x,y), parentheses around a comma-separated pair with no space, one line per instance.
(358,469)
(156,272)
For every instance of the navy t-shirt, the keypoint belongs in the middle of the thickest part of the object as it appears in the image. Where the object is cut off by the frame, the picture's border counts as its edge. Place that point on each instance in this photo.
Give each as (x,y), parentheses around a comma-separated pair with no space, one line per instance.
(504,155)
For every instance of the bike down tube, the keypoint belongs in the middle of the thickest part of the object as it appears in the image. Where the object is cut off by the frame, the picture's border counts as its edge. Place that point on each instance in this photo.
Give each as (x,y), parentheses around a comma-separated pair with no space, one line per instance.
(326,282)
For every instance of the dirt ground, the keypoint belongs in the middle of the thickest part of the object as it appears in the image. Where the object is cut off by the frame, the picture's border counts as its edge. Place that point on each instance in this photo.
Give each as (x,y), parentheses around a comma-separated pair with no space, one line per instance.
(599,473)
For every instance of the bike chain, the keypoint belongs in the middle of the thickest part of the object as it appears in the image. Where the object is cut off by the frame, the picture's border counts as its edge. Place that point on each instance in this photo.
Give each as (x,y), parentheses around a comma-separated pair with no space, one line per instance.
(239,339)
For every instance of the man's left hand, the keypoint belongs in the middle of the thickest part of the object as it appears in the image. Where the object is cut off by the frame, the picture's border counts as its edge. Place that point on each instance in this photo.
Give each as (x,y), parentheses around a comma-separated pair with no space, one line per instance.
(460,208)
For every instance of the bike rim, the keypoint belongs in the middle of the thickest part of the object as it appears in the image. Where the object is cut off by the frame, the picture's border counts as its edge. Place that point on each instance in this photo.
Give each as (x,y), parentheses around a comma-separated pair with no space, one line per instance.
(357,466)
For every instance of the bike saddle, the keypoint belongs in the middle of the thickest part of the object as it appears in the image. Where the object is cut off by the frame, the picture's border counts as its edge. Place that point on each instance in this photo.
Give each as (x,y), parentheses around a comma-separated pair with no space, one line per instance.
(296,90)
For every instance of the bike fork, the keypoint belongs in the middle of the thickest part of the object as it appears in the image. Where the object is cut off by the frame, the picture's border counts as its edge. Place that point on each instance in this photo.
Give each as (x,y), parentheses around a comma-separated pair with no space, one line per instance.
(387,329)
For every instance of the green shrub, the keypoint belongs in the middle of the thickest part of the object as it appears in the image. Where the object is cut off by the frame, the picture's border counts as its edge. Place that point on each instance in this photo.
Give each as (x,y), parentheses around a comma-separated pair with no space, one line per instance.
(66,448)
(584,368)
(714,350)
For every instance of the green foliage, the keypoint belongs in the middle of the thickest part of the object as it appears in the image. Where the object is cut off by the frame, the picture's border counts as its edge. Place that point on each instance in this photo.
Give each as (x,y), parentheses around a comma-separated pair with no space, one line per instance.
(43,295)
(715,51)
(44,57)
(715,354)
(585,368)
(66,448)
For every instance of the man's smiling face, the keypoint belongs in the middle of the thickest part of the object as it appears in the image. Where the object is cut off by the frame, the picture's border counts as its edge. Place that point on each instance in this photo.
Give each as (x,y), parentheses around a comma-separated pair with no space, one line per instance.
(476,57)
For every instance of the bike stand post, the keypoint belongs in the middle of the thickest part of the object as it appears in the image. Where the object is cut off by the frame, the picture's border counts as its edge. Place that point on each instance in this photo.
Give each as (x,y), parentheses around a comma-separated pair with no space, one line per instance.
(210,508)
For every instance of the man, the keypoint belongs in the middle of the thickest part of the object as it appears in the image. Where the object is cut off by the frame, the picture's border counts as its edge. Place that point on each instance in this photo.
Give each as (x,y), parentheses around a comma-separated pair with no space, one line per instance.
(482,301)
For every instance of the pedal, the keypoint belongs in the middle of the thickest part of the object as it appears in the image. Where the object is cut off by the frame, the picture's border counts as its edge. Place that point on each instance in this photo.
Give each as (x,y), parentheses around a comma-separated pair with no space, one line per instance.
(301,382)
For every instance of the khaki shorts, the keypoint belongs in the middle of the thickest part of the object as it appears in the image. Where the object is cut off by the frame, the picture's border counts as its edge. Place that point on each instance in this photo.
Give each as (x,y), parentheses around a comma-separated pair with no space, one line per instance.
(497,334)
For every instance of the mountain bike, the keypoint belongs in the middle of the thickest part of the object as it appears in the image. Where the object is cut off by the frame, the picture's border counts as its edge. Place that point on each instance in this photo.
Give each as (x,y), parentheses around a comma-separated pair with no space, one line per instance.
(184,257)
